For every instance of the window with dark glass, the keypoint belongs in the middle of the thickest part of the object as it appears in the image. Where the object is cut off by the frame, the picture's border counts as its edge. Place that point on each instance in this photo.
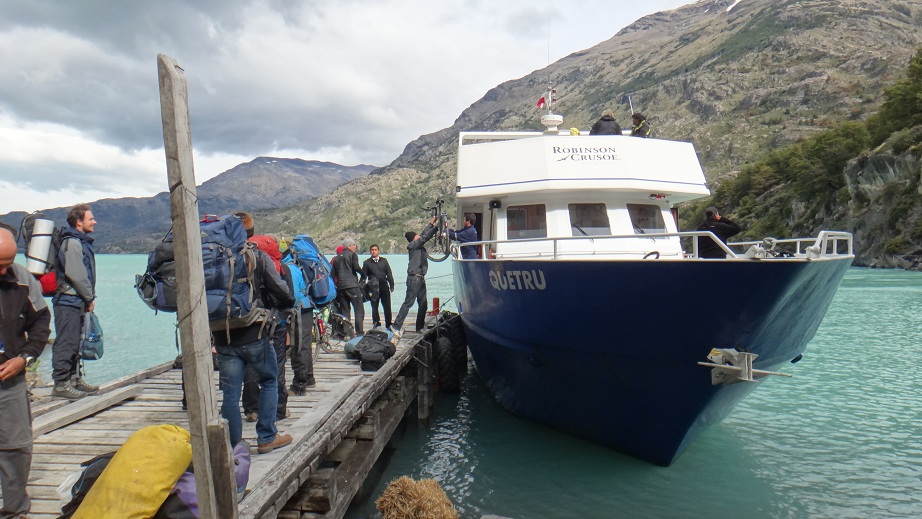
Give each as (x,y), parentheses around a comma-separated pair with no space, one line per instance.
(589,220)
(646,218)
(526,221)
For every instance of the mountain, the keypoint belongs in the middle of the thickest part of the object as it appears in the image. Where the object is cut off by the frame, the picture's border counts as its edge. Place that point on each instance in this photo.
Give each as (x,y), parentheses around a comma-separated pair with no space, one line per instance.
(137,224)
(736,78)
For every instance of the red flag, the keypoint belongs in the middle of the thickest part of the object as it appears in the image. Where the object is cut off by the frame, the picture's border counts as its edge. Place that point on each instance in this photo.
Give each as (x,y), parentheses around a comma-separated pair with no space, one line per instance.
(541,102)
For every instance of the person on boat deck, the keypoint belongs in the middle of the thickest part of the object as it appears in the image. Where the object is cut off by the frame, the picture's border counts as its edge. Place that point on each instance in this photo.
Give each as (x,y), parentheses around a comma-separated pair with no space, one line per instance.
(269,244)
(606,125)
(722,227)
(348,270)
(639,126)
(417,266)
(380,277)
(467,234)
(240,348)
(74,296)
(25,324)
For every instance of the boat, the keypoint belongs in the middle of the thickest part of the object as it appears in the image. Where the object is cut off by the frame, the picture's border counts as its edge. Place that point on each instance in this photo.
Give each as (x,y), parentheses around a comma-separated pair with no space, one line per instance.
(589,311)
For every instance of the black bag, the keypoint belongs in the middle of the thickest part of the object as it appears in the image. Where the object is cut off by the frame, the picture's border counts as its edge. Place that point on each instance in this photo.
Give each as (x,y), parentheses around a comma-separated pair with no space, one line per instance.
(92,470)
(374,349)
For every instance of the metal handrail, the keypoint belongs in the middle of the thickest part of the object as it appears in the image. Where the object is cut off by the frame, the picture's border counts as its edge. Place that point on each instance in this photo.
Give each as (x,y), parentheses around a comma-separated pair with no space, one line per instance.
(820,246)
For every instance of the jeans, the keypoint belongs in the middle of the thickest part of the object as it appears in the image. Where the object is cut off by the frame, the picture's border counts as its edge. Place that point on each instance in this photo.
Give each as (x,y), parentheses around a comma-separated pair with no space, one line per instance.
(232,364)
(416,291)
(251,382)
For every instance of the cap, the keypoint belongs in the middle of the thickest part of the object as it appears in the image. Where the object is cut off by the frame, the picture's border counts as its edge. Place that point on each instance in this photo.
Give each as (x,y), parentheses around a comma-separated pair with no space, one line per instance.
(409,235)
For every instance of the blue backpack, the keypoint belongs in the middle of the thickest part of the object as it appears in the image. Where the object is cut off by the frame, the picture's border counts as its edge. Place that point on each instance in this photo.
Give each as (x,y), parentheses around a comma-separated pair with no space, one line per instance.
(229,263)
(317,271)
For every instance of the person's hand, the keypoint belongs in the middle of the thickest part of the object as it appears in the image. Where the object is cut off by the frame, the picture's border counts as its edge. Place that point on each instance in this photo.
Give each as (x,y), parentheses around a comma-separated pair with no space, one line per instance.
(392,290)
(11,368)
(91,306)
(433,220)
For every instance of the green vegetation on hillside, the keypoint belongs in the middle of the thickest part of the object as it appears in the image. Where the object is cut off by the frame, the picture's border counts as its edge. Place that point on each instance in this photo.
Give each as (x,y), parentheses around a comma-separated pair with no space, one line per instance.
(808,176)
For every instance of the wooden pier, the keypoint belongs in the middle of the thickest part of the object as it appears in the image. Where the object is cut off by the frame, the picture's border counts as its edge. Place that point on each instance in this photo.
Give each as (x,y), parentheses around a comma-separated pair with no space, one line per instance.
(339,429)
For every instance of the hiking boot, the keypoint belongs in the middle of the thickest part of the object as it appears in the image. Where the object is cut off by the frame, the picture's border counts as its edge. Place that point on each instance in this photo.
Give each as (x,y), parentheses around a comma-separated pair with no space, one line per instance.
(311,381)
(252,416)
(297,390)
(280,441)
(66,390)
(82,385)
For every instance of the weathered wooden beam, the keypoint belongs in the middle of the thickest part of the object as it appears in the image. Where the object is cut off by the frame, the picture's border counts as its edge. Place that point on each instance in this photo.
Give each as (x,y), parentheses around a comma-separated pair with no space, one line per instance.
(190,298)
(80,409)
(424,375)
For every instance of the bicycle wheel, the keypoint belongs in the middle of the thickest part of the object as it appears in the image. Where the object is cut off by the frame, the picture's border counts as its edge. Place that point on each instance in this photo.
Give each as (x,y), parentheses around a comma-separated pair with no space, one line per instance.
(317,337)
(345,331)
(438,249)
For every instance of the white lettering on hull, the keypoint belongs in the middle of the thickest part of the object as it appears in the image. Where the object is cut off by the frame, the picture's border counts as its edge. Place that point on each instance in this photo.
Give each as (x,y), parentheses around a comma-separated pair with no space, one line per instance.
(518,280)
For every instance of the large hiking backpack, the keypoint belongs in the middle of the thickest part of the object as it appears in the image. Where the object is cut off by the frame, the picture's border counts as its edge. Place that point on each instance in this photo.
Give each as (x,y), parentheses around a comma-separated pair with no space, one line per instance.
(43,241)
(373,349)
(317,270)
(229,262)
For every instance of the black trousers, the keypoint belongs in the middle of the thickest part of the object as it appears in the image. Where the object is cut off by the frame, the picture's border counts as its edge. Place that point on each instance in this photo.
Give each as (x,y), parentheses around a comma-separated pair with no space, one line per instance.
(302,350)
(384,298)
(352,297)
(251,381)
(68,332)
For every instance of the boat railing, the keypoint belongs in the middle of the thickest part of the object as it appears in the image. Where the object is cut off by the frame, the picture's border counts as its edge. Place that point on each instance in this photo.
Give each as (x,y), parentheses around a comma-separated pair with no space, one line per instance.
(826,244)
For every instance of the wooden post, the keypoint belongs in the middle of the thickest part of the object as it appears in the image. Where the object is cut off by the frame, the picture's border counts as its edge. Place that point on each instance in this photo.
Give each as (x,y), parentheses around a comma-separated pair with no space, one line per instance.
(214,482)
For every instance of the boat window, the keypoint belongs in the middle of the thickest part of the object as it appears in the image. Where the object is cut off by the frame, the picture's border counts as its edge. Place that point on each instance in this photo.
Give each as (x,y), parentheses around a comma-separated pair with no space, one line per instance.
(526,221)
(646,218)
(589,220)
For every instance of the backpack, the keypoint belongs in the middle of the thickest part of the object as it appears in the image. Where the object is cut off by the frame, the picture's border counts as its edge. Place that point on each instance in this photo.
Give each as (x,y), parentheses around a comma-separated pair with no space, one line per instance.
(316,269)
(43,241)
(373,349)
(229,262)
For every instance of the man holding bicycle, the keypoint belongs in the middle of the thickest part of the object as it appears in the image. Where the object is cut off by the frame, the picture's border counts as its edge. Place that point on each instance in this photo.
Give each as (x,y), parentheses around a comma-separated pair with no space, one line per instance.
(417,266)
(467,234)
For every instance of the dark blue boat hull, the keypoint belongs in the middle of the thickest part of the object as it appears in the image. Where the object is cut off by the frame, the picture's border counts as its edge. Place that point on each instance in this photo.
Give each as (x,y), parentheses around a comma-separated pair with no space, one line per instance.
(608,351)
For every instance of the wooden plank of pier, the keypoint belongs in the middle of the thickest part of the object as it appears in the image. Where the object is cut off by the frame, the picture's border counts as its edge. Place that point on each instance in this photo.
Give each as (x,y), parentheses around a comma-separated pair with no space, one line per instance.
(348,418)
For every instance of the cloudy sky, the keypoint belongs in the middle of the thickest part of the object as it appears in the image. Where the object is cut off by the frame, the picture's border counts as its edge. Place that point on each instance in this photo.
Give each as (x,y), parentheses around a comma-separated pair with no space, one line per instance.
(346,81)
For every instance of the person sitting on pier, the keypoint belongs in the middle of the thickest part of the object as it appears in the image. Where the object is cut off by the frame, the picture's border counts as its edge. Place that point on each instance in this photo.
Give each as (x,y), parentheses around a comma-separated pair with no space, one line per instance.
(250,346)
(606,125)
(722,227)
(24,332)
(640,127)
(417,266)
(467,234)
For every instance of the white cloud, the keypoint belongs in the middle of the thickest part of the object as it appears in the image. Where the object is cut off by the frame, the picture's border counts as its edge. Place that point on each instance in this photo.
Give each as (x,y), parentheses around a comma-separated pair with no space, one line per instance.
(348,82)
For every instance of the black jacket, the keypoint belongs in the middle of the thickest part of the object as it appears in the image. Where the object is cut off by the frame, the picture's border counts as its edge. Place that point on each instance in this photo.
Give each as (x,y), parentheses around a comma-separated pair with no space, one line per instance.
(418,263)
(346,270)
(607,125)
(380,271)
(723,229)
(25,321)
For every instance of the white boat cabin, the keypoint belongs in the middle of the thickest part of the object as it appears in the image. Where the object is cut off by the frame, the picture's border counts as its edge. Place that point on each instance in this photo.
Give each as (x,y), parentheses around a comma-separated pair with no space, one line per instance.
(557,195)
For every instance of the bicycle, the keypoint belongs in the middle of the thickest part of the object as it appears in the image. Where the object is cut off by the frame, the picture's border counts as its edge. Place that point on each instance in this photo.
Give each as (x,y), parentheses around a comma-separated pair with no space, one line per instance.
(330,331)
(438,249)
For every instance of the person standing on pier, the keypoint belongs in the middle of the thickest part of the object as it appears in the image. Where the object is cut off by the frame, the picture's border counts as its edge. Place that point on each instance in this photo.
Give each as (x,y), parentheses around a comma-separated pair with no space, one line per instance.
(24,329)
(377,272)
(417,266)
(251,346)
(74,297)
(347,270)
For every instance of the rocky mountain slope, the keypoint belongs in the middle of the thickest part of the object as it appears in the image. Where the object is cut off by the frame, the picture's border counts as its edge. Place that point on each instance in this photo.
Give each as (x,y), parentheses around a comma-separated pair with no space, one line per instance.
(137,224)
(736,83)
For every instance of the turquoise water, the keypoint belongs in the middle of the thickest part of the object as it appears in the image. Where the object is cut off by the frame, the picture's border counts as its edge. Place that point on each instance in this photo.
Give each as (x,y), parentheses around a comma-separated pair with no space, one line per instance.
(840,439)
